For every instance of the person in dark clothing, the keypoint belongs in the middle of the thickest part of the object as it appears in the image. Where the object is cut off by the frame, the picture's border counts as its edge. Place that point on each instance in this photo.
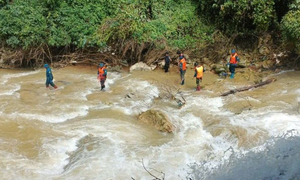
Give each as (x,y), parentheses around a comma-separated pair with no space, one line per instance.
(167,62)
(49,77)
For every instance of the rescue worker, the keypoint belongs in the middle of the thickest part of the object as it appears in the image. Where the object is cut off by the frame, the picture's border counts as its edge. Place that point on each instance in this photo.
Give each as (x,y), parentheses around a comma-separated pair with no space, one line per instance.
(234,59)
(182,68)
(102,74)
(199,70)
(167,62)
(49,77)
(180,54)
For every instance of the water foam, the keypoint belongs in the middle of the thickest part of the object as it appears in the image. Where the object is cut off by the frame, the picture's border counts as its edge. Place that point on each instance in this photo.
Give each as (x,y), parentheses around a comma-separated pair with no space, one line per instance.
(56,116)
(141,93)
(10,90)
(5,78)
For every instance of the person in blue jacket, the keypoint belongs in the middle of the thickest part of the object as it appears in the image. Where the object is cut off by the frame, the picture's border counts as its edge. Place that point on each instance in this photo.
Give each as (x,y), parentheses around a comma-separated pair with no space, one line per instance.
(102,75)
(49,77)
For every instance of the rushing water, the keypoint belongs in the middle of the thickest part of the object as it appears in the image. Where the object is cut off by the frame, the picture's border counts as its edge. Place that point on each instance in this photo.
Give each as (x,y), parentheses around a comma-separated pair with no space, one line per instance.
(79,132)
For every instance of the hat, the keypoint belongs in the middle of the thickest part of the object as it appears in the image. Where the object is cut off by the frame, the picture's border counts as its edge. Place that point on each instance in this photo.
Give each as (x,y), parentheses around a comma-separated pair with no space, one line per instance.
(232,51)
(101,64)
(46,65)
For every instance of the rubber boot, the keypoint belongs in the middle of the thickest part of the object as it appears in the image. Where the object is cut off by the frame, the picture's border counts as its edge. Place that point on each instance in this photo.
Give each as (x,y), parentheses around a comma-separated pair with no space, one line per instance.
(102,87)
(182,82)
(198,88)
(232,76)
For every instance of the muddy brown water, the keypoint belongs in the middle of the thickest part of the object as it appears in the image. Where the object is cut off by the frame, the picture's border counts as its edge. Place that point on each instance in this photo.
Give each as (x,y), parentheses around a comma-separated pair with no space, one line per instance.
(80,132)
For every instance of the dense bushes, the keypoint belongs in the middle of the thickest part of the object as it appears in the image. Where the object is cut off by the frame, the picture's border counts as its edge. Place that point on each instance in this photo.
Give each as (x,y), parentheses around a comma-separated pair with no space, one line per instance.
(171,24)
(156,21)
(290,26)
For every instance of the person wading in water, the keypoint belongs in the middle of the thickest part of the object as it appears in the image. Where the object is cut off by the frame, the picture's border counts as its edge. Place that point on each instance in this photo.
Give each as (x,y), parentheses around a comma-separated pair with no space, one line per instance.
(102,74)
(198,74)
(49,77)
(182,68)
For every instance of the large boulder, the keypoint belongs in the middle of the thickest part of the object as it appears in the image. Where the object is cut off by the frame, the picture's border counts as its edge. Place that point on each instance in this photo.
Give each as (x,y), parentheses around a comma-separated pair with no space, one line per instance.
(157,119)
(140,66)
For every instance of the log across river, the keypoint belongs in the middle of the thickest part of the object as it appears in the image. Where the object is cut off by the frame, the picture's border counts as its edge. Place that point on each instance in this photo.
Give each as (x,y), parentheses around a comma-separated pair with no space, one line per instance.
(79,132)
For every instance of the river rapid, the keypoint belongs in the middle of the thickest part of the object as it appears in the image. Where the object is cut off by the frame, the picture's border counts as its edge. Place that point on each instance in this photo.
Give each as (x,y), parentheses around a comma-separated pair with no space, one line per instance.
(80,132)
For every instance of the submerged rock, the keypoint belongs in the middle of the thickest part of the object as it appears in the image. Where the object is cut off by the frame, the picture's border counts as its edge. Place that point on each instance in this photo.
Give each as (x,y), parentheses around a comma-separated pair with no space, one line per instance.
(140,66)
(157,119)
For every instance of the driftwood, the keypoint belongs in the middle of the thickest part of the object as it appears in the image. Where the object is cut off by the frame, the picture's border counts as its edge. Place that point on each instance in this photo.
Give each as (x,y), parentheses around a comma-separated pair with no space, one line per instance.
(233,91)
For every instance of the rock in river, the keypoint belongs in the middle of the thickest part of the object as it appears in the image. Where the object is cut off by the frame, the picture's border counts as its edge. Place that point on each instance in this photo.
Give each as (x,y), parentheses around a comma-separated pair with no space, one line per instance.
(157,119)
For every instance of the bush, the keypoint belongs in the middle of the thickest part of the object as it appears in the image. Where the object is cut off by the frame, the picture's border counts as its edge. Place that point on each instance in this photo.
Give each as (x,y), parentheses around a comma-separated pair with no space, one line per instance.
(291,28)
(22,25)
(157,21)
(239,15)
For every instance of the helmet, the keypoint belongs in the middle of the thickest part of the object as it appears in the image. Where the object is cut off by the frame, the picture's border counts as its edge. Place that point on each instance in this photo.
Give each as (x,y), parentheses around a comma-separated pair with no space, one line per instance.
(167,52)
(233,51)
(101,64)
(46,65)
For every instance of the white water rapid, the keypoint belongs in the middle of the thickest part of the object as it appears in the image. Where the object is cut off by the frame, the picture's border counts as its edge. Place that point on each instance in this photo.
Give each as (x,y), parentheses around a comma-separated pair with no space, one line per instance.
(79,132)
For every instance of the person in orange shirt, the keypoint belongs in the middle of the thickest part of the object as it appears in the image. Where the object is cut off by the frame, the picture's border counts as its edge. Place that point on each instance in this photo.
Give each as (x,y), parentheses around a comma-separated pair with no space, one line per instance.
(199,70)
(102,74)
(234,59)
(182,68)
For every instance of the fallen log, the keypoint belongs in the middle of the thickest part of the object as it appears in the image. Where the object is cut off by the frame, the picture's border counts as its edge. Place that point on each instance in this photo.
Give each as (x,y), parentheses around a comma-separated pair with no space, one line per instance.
(233,91)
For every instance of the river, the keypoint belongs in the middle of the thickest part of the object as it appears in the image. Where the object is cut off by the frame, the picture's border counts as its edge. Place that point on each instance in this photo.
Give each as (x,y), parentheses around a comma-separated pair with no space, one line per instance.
(80,132)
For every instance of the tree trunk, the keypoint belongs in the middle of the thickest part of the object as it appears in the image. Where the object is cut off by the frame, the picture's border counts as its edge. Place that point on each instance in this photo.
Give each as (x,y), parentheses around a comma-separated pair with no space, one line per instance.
(233,91)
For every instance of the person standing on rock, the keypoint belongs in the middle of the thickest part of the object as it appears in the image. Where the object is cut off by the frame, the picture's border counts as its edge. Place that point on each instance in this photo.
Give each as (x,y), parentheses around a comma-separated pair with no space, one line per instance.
(182,68)
(199,70)
(167,62)
(234,59)
(102,74)
(49,77)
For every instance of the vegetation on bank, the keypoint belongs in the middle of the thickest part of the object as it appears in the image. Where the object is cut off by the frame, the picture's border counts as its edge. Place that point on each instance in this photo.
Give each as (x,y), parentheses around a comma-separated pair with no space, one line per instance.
(46,30)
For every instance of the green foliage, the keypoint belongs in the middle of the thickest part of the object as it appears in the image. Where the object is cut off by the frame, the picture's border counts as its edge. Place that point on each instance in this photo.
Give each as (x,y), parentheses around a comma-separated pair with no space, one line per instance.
(291,28)
(22,25)
(183,24)
(156,21)
(239,15)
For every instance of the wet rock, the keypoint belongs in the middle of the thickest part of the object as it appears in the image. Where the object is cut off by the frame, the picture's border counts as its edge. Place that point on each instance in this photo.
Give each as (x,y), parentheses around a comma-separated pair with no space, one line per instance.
(263,50)
(124,63)
(116,68)
(161,64)
(218,68)
(268,63)
(140,66)
(157,119)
